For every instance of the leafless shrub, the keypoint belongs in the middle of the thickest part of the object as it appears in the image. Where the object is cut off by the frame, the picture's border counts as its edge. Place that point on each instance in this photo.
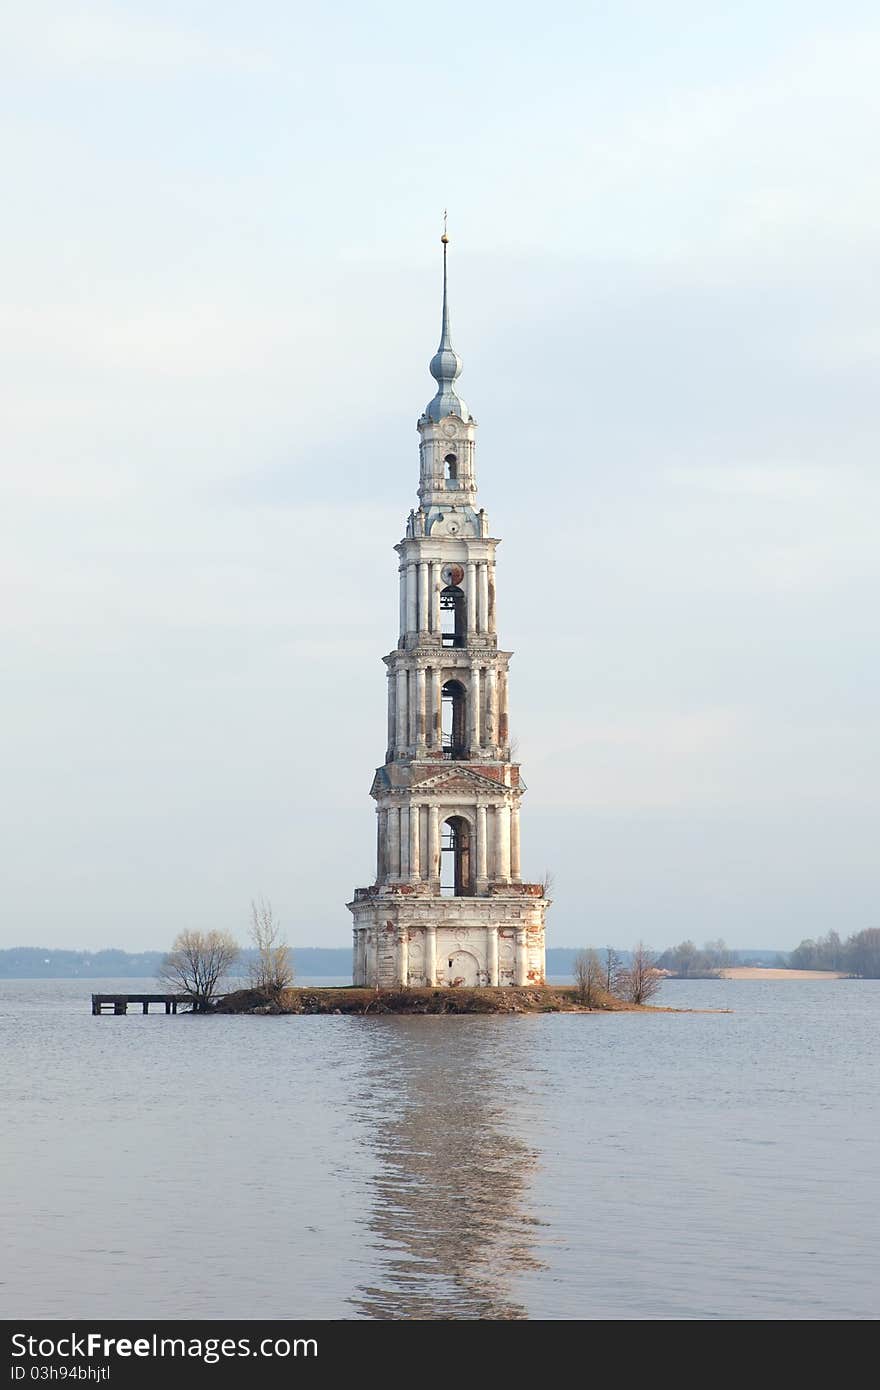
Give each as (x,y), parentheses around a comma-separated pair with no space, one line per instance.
(589,977)
(197,962)
(640,981)
(612,971)
(272,970)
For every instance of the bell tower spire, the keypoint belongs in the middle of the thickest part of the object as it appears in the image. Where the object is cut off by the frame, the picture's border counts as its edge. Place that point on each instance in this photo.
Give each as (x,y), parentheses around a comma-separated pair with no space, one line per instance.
(445,365)
(448,430)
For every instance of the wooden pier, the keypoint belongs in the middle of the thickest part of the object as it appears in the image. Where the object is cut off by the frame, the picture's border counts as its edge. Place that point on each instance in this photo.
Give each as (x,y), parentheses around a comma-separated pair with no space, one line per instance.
(118,1003)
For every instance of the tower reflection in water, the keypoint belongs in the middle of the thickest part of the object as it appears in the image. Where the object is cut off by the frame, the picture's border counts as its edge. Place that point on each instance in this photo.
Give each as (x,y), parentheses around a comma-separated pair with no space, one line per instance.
(452,1193)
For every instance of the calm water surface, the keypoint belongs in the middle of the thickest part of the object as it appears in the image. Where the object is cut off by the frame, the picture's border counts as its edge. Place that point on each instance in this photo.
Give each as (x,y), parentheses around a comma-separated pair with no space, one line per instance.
(553,1166)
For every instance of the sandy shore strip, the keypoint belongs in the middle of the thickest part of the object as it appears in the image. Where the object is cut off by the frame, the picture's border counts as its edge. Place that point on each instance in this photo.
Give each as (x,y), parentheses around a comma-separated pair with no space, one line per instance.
(759,972)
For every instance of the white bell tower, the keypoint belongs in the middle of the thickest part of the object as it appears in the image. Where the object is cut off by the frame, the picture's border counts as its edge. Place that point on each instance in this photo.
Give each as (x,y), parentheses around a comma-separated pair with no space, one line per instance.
(449,905)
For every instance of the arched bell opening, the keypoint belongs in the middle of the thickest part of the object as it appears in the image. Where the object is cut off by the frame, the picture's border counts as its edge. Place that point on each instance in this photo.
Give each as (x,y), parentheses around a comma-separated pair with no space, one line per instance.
(453,720)
(456,860)
(453,616)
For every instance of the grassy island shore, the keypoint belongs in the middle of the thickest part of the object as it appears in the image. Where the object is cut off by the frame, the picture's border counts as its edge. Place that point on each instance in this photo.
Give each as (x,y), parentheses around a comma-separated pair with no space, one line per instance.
(353,999)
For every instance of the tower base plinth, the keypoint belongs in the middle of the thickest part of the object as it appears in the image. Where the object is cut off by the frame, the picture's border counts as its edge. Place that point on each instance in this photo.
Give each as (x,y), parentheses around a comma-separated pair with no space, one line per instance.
(445,942)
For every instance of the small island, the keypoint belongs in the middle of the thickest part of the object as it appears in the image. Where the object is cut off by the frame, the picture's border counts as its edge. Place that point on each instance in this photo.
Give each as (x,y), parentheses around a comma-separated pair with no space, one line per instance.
(198,962)
(354,999)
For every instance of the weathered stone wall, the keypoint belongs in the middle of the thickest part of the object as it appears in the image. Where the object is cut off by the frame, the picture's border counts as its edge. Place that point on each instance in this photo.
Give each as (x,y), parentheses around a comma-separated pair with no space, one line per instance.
(453,941)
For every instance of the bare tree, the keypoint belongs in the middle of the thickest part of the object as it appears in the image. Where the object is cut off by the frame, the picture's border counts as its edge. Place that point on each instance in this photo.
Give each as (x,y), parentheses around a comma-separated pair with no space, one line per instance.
(863,953)
(717,955)
(272,971)
(547,882)
(197,962)
(612,970)
(640,981)
(589,977)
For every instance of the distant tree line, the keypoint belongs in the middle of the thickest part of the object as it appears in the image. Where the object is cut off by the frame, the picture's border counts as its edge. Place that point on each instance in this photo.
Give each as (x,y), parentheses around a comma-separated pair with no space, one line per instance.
(859,955)
(40,962)
(689,962)
(48,963)
(51,963)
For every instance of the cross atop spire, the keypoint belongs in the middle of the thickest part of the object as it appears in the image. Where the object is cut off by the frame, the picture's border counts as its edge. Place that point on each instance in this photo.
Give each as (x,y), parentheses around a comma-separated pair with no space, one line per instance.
(445,365)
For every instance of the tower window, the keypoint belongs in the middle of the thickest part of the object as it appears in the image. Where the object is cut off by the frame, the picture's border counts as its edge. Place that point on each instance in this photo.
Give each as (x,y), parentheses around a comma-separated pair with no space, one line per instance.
(453,620)
(451,467)
(454,720)
(455,845)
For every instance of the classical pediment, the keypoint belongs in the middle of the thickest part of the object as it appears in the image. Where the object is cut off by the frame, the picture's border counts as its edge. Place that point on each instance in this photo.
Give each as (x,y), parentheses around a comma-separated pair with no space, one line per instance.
(458,780)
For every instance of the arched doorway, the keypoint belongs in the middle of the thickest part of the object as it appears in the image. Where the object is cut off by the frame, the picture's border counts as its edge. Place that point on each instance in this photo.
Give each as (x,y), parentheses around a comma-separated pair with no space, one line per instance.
(462,968)
(456,860)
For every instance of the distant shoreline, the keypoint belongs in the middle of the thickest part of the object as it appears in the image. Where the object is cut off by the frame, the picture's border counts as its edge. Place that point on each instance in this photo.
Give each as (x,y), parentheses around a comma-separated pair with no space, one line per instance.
(311,963)
(760,972)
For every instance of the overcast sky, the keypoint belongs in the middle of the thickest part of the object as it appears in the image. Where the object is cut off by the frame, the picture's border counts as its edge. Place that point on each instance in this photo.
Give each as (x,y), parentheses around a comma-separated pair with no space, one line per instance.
(220,292)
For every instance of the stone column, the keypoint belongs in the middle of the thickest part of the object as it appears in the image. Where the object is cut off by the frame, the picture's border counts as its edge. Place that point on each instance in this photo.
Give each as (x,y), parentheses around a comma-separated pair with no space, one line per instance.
(420,708)
(356,957)
(431,737)
(490,735)
(470,593)
(401,711)
(522,956)
(474,713)
(415,812)
(502,843)
(431,954)
(402,602)
(436,586)
(482,844)
(404,842)
(515,872)
(438,707)
(372,950)
(492,952)
(428,705)
(364,956)
(484,597)
(412,616)
(424,861)
(381,834)
(493,624)
(434,843)
(403,956)
(392,709)
(413,709)
(503,727)
(393,842)
(424,614)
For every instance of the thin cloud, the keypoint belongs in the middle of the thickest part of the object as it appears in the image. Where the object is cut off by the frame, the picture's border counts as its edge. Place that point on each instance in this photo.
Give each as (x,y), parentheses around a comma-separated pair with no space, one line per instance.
(96,40)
